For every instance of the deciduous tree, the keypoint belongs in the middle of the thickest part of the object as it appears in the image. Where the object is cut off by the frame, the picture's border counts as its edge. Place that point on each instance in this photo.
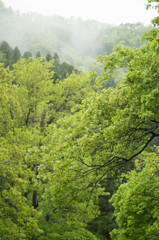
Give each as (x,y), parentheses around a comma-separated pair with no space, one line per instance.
(136,202)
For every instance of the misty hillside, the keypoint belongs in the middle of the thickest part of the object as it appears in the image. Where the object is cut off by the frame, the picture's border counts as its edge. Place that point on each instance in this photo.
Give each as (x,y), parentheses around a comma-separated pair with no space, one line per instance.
(76,41)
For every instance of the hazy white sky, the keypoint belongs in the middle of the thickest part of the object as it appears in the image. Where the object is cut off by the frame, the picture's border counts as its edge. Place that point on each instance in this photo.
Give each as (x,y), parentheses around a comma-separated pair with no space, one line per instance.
(109,11)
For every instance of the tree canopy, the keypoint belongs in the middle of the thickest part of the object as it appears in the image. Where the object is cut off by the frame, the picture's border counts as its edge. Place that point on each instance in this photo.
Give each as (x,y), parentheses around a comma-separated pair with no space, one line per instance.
(65,140)
(136,202)
(115,125)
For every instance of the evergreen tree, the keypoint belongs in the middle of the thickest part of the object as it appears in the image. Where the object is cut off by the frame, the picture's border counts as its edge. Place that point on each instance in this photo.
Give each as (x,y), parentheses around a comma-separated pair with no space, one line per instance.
(16,54)
(56,59)
(48,57)
(7,52)
(38,54)
(27,55)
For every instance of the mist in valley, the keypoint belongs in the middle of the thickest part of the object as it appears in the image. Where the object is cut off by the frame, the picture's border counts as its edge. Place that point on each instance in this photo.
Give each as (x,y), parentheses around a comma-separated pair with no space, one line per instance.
(76,41)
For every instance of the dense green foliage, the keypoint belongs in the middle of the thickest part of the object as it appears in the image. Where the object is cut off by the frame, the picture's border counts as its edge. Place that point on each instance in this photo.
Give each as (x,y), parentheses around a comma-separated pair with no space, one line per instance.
(128,113)
(136,202)
(29,100)
(9,56)
(66,138)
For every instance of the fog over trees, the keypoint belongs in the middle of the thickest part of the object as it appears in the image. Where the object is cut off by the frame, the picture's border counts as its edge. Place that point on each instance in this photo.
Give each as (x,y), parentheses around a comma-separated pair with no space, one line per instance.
(76,41)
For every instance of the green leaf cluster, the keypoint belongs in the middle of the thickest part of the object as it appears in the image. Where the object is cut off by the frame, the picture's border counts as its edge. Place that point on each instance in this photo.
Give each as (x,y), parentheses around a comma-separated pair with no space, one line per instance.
(60,141)
(30,192)
(136,201)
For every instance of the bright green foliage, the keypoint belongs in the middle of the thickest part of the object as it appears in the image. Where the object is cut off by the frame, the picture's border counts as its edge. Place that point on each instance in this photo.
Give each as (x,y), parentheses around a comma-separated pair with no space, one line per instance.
(60,139)
(68,93)
(78,234)
(115,125)
(112,127)
(68,199)
(136,202)
(9,105)
(29,186)
(155,41)
(18,218)
(34,86)
(63,231)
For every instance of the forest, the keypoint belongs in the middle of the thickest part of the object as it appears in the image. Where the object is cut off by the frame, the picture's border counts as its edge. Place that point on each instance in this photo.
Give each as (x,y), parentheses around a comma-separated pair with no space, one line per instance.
(79,143)
(76,41)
